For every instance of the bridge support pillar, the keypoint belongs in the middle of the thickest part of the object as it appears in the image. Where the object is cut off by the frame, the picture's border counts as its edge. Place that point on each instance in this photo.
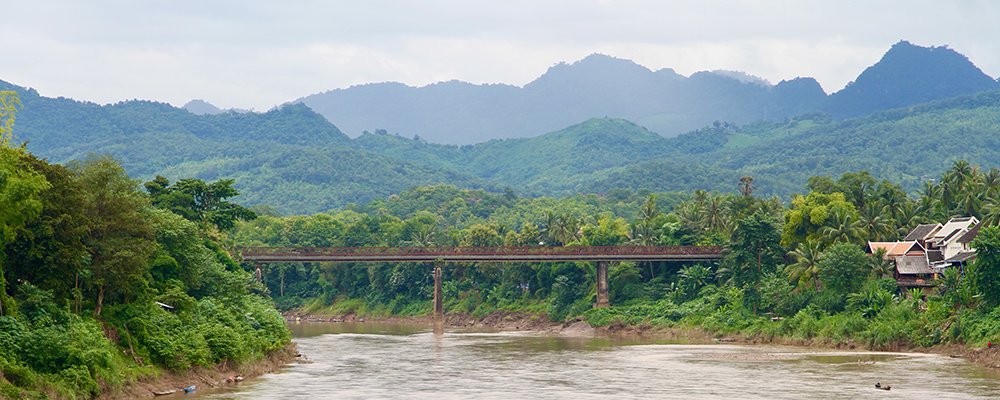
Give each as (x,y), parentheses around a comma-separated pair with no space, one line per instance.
(602,285)
(438,300)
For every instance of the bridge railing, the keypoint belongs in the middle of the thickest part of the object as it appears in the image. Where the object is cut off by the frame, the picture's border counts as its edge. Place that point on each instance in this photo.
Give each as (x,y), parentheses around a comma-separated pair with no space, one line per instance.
(251,252)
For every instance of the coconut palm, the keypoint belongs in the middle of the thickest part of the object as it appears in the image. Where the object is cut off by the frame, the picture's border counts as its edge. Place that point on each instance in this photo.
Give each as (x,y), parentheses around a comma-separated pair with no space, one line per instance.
(991,211)
(875,221)
(649,211)
(881,266)
(991,182)
(959,174)
(804,272)
(842,227)
(716,214)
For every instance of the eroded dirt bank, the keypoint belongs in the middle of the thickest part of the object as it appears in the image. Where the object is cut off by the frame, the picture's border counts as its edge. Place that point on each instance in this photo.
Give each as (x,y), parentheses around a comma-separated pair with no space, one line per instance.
(203,378)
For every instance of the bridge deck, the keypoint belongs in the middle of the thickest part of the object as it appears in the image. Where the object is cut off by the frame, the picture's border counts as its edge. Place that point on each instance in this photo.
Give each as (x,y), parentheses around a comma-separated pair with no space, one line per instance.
(480,254)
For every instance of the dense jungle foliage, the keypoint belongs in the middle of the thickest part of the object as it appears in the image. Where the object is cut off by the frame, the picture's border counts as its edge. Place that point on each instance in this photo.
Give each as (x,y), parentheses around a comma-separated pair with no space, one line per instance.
(86,255)
(792,270)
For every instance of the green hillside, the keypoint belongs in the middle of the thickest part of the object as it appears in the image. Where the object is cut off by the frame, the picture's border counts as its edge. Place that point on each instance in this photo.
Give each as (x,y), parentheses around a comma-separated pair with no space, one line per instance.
(295,161)
(290,158)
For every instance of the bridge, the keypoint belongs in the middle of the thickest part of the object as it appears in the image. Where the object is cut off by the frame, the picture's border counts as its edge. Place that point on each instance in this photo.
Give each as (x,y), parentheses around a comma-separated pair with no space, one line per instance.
(438,256)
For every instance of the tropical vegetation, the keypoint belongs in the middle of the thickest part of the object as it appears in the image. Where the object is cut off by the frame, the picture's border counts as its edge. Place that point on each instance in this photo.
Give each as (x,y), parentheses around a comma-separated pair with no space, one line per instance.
(791,270)
(103,284)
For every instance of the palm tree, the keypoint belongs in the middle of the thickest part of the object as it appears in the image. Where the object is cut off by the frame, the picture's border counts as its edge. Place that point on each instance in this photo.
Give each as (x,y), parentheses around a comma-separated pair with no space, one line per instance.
(908,215)
(566,229)
(842,227)
(693,277)
(715,214)
(881,266)
(959,174)
(804,272)
(649,211)
(991,211)
(746,185)
(875,221)
(689,215)
(991,182)
(424,236)
(969,202)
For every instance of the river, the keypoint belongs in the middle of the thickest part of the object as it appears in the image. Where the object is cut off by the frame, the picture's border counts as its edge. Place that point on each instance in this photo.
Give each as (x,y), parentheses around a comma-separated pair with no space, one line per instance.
(372,361)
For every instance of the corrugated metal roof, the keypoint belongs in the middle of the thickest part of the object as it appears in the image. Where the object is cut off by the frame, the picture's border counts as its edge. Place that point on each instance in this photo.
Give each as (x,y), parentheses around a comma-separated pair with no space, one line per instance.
(969,236)
(961,257)
(912,265)
(922,232)
(954,225)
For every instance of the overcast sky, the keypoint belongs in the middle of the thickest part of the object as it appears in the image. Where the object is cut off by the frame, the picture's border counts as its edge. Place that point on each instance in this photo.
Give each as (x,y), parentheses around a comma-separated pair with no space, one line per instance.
(255,54)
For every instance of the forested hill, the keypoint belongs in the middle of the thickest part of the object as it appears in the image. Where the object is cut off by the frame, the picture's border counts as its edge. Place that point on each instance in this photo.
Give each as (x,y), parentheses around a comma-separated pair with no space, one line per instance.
(289,157)
(294,160)
(663,101)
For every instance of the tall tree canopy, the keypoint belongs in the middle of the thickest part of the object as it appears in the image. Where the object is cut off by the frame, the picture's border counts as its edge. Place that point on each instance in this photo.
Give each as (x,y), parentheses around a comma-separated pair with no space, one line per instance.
(199,201)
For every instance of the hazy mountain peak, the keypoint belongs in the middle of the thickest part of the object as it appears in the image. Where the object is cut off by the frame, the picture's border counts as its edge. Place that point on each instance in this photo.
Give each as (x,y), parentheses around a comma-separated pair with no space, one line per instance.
(594,67)
(909,74)
(201,107)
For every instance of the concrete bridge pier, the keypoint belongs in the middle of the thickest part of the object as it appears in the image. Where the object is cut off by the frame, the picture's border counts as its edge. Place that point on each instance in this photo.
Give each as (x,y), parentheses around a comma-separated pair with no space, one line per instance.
(438,300)
(602,285)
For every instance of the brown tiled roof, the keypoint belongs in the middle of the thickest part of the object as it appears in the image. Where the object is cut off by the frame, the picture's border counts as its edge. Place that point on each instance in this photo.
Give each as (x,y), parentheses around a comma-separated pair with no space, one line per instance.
(912,265)
(970,235)
(922,231)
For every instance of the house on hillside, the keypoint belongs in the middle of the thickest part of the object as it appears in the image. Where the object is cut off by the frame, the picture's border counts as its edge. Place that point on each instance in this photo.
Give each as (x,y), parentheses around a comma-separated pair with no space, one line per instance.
(967,253)
(946,238)
(929,249)
(910,260)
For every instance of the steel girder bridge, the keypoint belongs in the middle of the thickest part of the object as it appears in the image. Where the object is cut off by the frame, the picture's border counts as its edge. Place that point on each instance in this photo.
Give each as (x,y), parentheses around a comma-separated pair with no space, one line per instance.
(440,256)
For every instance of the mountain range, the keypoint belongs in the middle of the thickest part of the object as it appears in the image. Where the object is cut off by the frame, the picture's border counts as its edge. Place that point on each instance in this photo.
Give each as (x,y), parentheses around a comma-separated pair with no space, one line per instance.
(294,159)
(663,101)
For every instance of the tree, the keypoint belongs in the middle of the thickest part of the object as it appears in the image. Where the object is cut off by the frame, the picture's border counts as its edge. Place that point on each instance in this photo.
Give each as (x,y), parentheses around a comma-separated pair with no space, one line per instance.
(880,265)
(874,222)
(119,238)
(649,211)
(842,226)
(608,231)
(811,213)
(753,251)
(50,252)
(804,272)
(986,268)
(199,201)
(20,190)
(843,268)
(9,103)
(746,186)
(479,235)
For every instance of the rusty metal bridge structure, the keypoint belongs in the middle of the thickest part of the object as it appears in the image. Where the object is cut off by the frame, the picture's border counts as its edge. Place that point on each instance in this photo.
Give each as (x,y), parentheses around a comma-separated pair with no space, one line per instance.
(440,256)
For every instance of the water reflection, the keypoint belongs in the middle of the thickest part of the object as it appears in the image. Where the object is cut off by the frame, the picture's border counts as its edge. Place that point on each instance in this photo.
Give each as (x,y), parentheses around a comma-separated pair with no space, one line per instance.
(366,360)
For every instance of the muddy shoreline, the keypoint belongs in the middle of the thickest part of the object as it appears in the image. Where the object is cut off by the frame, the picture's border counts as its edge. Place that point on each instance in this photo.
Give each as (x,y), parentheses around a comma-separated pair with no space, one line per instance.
(517,321)
(203,378)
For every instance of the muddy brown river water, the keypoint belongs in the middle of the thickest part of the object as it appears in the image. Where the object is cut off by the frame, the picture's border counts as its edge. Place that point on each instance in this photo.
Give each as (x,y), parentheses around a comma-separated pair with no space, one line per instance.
(371,361)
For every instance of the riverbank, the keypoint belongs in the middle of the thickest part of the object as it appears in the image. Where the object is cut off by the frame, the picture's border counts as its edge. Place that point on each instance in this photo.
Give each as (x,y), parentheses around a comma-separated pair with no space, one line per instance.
(203,378)
(521,321)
